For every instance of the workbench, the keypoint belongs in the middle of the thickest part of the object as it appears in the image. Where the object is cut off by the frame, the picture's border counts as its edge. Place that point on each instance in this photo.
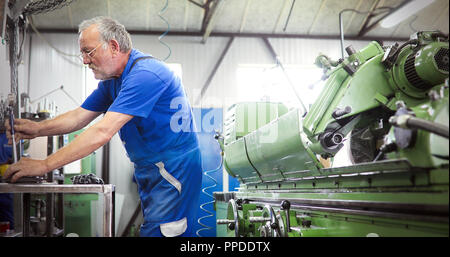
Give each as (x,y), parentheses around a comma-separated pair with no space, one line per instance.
(108,192)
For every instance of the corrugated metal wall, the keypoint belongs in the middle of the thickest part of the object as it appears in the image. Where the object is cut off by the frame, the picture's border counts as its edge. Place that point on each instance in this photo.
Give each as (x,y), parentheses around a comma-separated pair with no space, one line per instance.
(5,82)
(50,70)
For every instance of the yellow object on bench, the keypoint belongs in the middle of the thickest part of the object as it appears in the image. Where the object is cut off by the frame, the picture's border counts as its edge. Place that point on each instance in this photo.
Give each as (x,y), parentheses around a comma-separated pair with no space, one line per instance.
(3,168)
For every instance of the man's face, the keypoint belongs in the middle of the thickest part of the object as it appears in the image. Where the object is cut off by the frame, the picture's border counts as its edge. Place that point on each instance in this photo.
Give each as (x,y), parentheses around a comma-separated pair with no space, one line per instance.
(95,55)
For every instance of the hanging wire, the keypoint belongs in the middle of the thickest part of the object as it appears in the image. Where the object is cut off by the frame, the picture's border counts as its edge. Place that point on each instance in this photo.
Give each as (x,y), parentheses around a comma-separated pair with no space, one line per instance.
(165,32)
(19,56)
(210,214)
(374,12)
(30,21)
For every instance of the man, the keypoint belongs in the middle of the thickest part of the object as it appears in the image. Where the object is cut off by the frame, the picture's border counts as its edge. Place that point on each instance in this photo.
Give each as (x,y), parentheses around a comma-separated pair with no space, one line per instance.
(137,98)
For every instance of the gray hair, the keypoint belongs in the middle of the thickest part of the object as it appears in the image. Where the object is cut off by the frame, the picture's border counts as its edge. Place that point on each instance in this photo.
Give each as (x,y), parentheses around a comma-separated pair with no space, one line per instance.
(109,29)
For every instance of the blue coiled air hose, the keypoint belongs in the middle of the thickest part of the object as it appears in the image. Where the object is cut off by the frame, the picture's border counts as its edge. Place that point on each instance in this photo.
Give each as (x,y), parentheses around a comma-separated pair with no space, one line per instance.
(210,214)
(165,32)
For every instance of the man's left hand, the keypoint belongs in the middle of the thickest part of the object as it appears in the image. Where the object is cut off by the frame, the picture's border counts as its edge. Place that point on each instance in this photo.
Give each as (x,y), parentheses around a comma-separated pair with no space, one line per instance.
(26,167)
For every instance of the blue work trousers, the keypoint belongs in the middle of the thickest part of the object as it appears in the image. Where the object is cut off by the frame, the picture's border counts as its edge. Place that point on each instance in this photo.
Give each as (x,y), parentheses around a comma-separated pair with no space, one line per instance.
(169,192)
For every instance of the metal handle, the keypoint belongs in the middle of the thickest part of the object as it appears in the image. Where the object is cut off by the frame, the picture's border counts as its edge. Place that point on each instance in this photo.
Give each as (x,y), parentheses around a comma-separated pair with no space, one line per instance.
(259,219)
(286,206)
(11,123)
(224,221)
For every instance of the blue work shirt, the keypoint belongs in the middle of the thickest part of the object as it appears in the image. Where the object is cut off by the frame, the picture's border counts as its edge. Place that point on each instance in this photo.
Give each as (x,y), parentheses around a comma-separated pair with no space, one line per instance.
(5,149)
(163,125)
(6,199)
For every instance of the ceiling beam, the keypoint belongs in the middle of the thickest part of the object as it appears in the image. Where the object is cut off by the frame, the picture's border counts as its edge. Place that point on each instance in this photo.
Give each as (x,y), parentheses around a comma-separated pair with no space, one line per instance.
(227,34)
(210,17)
(373,7)
(212,8)
(366,28)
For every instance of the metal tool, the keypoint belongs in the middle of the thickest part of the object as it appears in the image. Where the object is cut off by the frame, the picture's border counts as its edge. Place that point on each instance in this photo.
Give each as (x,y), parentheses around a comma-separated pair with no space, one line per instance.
(11,123)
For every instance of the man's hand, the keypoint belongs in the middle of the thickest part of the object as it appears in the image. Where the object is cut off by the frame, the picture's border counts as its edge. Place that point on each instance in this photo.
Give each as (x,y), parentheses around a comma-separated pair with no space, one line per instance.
(26,167)
(23,128)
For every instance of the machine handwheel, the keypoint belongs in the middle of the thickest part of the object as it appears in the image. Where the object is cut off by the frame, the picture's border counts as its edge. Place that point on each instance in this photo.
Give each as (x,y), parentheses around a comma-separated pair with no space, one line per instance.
(232,214)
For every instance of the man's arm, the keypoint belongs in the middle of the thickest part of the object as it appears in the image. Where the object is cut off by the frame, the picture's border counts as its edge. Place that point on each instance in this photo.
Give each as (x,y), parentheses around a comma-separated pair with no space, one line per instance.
(89,141)
(84,144)
(62,124)
(68,122)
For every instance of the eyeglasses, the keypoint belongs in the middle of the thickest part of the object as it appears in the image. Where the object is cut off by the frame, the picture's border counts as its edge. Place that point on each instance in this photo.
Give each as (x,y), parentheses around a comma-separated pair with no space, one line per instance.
(90,54)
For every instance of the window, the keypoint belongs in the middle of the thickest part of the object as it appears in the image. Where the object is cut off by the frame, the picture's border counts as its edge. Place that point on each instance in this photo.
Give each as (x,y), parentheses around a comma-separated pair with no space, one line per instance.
(90,83)
(269,83)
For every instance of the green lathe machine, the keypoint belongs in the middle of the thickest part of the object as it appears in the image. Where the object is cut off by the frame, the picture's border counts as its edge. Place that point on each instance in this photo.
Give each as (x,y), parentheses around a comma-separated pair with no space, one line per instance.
(390,106)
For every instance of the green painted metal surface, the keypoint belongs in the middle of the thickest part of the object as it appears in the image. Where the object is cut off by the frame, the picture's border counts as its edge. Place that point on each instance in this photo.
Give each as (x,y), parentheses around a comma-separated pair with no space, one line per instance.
(220,207)
(403,191)
(278,148)
(243,118)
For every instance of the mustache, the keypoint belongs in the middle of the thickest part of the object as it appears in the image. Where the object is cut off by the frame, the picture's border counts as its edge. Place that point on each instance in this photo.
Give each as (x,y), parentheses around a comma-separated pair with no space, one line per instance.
(92,66)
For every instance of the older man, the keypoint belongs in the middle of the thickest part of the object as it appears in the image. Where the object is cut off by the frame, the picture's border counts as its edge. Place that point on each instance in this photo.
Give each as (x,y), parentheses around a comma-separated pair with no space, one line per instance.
(136,93)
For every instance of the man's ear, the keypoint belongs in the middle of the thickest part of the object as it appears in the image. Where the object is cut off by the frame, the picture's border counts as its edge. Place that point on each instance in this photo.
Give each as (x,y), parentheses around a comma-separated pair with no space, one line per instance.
(114,45)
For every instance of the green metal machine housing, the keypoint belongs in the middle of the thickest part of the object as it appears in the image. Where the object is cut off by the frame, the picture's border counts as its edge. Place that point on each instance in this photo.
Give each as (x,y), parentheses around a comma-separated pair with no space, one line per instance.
(390,105)
(78,216)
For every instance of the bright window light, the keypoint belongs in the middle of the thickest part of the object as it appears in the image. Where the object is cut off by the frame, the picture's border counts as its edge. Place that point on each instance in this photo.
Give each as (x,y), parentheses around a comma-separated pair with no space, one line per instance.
(268,83)
(90,83)
(404,12)
(176,68)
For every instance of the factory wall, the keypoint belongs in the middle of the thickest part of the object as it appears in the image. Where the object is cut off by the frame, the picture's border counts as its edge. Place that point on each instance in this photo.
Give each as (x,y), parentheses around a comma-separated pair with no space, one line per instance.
(5,86)
(49,70)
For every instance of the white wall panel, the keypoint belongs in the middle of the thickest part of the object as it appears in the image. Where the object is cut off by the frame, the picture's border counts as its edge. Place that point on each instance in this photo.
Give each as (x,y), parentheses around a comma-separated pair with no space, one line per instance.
(5,82)
(50,69)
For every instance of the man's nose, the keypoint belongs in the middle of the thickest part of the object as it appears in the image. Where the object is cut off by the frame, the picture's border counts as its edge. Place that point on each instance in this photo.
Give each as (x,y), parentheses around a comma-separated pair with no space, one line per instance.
(86,60)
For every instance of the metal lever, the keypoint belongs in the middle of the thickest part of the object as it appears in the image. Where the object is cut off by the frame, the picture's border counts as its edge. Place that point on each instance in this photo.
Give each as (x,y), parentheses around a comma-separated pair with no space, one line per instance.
(286,205)
(11,123)
(224,221)
(259,219)
(231,223)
